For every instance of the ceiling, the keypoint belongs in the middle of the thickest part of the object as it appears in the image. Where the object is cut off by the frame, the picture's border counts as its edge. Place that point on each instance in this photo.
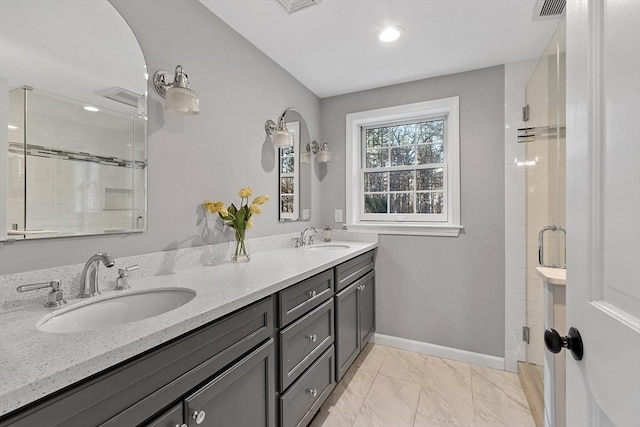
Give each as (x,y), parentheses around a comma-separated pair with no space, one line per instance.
(331,47)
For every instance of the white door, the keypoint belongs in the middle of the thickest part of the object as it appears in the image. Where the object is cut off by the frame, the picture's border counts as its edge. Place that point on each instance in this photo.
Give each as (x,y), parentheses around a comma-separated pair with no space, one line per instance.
(603,211)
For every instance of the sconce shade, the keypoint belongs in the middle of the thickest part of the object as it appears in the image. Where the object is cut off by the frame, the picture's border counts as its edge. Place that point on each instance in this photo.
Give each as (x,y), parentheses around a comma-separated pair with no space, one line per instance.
(324,155)
(306,155)
(182,100)
(279,134)
(282,139)
(178,94)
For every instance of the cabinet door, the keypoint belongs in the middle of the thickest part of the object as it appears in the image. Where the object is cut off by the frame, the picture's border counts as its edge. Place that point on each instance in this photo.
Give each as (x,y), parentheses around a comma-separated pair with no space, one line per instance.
(367,303)
(347,339)
(242,395)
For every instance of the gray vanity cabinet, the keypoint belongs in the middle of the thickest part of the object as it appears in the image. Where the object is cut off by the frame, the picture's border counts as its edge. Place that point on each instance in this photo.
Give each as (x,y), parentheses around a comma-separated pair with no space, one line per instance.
(355,309)
(273,362)
(136,390)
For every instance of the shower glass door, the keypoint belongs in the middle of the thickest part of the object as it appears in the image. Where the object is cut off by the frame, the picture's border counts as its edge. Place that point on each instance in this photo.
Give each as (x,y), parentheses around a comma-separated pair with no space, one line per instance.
(545,187)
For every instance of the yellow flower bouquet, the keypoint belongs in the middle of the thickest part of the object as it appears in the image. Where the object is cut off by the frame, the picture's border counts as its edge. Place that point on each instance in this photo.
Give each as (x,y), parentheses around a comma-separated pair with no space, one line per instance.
(238,218)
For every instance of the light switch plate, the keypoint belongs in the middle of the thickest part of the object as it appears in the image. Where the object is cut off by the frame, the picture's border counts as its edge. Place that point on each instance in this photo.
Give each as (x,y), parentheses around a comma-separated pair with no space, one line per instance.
(337,215)
(306,214)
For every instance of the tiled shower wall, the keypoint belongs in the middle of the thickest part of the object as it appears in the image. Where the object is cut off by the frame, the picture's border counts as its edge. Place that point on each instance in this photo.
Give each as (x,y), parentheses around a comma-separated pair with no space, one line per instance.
(67,195)
(72,196)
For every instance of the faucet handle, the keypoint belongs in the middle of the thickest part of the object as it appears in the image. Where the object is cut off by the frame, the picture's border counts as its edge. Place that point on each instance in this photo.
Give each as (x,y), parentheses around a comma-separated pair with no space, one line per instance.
(121,281)
(55,298)
(296,242)
(123,271)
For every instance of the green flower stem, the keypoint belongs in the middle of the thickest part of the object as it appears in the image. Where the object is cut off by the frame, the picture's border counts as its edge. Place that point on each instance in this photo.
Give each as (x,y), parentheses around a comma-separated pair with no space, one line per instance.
(240,246)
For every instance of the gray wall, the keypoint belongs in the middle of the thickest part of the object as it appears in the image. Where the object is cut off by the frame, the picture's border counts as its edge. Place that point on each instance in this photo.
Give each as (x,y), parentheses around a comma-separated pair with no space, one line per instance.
(192,158)
(440,290)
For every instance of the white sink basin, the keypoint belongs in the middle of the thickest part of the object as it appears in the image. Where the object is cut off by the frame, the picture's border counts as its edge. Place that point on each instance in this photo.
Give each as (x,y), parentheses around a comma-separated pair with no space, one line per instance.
(119,309)
(327,247)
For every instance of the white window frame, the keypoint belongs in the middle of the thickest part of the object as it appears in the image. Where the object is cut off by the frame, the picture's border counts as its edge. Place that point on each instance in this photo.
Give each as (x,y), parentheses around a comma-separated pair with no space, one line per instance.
(449,223)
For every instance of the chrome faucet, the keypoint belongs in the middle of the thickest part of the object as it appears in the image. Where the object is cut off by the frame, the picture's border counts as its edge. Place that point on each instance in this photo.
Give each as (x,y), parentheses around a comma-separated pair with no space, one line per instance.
(303,236)
(89,279)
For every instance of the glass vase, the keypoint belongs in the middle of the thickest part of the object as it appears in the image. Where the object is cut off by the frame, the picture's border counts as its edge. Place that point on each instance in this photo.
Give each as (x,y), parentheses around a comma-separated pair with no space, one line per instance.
(240,254)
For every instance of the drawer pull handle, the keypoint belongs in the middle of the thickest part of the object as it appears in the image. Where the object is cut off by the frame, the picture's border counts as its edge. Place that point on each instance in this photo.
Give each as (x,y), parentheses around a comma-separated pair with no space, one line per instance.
(313,338)
(312,294)
(181,425)
(199,416)
(313,392)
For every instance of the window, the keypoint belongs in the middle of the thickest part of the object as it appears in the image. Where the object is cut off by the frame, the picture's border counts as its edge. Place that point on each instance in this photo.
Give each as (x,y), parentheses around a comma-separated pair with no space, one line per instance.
(403,169)
(289,177)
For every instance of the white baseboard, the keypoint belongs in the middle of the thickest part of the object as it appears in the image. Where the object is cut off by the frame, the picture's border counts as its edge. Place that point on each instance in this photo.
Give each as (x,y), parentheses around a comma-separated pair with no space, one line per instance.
(440,351)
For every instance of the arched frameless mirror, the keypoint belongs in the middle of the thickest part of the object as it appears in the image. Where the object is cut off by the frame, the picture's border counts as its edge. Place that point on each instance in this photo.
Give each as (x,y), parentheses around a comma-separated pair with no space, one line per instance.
(294,177)
(73,134)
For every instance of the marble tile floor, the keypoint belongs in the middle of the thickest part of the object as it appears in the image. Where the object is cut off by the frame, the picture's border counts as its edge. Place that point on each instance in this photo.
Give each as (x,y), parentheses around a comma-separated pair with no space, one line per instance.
(388,387)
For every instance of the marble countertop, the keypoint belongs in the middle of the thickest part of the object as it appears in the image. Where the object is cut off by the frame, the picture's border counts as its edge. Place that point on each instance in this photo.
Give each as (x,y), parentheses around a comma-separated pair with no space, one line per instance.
(553,276)
(35,363)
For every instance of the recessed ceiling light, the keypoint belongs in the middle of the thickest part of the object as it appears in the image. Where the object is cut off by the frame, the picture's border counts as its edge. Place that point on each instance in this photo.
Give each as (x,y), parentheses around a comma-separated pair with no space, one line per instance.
(91,108)
(389,34)
(12,127)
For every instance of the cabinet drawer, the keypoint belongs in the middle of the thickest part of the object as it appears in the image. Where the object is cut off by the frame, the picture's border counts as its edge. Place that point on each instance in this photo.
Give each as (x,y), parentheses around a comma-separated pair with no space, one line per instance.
(301,402)
(303,341)
(304,296)
(350,271)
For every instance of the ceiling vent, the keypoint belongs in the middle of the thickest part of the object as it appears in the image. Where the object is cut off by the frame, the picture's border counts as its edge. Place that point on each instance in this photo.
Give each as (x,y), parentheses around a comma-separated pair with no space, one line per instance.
(119,94)
(549,9)
(294,5)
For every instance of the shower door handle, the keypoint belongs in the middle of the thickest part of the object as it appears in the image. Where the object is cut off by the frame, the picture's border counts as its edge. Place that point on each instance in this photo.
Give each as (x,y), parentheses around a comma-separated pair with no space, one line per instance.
(541,244)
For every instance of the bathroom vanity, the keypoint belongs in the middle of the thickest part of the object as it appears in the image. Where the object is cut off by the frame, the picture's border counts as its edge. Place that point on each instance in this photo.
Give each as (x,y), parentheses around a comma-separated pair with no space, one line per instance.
(262,343)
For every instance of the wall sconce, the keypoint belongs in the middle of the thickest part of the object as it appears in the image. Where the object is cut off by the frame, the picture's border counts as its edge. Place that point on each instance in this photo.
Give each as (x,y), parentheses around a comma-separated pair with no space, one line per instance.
(280,136)
(177,94)
(322,153)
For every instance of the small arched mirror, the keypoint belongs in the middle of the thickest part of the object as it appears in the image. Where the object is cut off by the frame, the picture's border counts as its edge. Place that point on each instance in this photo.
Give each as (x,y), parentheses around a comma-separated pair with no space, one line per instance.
(294,177)
(73,84)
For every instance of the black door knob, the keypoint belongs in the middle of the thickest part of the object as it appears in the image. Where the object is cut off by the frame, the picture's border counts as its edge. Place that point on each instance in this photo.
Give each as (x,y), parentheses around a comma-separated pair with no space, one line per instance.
(572,342)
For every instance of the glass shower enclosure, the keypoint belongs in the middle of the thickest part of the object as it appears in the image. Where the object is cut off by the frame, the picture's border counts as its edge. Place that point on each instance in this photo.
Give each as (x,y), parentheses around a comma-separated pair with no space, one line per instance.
(544,137)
